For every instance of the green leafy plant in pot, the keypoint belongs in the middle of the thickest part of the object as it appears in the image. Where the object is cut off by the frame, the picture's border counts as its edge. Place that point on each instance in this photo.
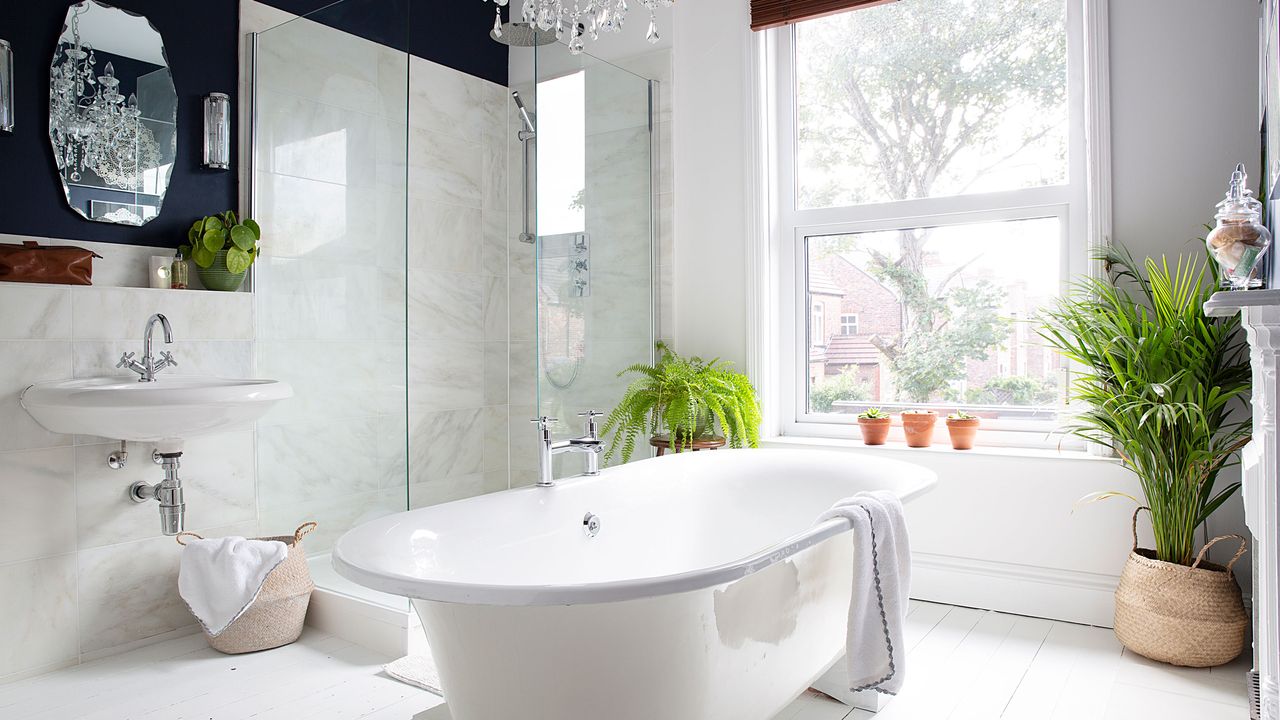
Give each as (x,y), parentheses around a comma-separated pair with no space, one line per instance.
(223,248)
(686,397)
(1158,382)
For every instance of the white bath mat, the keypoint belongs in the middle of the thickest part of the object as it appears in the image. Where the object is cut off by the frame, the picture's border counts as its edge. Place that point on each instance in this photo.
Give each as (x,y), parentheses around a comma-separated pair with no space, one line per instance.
(416,670)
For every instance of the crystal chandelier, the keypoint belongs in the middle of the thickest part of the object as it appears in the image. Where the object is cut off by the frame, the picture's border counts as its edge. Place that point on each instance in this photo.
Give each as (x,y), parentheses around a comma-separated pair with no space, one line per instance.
(573,20)
(94,127)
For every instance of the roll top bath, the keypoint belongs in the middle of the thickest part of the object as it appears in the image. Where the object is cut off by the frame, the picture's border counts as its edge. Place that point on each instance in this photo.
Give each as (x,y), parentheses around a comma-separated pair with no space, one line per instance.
(710,594)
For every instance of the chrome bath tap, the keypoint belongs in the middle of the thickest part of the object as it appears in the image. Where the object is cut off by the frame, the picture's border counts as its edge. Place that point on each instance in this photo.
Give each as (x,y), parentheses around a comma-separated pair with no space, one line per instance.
(149,366)
(589,443)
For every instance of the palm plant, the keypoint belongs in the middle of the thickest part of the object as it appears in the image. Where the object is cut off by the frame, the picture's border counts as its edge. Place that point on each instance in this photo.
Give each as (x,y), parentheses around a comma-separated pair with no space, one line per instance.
(686,397)
(1158,385)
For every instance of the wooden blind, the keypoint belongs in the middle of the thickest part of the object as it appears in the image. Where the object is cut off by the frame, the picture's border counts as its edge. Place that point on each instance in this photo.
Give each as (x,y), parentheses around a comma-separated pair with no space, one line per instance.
(775,13)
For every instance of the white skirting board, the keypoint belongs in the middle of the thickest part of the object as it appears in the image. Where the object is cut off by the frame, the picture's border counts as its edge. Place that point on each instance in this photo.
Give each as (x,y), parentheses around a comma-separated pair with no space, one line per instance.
(1078,597)
(392,631)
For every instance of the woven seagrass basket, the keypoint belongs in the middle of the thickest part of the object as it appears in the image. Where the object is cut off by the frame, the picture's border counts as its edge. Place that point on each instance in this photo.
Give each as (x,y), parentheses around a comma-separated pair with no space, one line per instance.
(1191,616)
(275,617)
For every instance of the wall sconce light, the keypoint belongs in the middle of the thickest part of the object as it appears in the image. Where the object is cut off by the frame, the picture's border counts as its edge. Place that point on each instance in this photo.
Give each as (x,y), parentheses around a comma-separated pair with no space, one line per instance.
(217,131)
(6,87)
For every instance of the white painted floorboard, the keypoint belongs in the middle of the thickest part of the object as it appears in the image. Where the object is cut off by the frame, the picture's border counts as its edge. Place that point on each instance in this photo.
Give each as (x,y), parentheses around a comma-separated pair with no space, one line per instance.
(962,664)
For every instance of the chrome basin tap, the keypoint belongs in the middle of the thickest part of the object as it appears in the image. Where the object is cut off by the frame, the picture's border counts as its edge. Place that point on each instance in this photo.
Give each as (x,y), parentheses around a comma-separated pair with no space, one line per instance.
(589,443)
(149,366)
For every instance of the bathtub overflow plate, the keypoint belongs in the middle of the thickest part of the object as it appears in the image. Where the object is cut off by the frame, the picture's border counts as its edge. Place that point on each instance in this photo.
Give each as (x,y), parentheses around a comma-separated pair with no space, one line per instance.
(591,524)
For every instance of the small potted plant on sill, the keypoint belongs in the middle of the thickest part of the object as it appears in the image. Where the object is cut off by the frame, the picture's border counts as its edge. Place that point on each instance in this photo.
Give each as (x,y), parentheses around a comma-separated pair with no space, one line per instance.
(222,247)
(962,427)
(917,425)
(874,424)
(686,398)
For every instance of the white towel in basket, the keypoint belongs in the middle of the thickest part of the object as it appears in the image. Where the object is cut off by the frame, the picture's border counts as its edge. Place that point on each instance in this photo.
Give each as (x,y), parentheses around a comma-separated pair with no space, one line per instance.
(219,578)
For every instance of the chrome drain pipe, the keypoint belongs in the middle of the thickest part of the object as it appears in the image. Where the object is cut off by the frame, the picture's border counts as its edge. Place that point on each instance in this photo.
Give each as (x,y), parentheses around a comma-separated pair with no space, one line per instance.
(168,492)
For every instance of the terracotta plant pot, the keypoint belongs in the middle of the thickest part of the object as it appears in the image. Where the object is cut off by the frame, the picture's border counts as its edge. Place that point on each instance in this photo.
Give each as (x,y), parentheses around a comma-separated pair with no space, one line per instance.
(874,430)
(962,432)
(918,428)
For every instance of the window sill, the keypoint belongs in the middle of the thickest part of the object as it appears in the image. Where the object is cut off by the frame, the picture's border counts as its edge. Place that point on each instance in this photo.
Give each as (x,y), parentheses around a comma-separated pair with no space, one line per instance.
(943,448)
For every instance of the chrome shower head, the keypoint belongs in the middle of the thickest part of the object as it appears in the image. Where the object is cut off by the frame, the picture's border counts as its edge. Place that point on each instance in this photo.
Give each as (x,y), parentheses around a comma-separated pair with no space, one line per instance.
(524,114)
(518,34)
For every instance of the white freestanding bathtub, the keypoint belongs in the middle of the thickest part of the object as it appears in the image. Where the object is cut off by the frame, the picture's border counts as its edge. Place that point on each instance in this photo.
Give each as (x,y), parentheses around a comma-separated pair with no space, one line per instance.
(707,593)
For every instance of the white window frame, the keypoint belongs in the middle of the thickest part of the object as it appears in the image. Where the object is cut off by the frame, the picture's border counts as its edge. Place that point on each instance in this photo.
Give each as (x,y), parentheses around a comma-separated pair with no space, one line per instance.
(855,325)
(779,352)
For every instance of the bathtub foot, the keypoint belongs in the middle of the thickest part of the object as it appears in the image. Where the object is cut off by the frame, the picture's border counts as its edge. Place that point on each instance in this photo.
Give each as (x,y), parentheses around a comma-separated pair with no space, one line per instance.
(834,683)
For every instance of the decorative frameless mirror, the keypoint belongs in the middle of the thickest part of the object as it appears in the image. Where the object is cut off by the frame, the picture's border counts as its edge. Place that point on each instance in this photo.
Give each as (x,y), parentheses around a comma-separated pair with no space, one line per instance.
(113,114)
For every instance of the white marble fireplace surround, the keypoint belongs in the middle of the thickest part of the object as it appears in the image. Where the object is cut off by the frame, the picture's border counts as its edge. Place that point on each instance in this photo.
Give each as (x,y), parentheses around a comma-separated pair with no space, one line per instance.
(1260,314)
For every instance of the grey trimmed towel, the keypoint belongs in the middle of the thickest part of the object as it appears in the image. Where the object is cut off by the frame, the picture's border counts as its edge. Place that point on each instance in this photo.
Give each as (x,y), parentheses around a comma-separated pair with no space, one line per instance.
(876,655)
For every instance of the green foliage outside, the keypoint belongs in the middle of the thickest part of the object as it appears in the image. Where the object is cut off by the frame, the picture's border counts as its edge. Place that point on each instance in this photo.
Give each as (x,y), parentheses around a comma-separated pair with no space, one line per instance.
(1014,390)
(845,386)
(912,104)
(211,234)
(685,397)
(1159,385)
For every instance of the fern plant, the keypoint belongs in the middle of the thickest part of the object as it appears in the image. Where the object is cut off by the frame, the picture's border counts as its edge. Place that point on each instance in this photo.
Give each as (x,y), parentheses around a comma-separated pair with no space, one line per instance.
(685,397)
(1159,382)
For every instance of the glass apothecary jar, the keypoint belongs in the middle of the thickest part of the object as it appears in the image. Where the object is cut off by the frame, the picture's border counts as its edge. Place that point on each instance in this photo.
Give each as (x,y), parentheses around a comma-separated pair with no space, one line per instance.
(1239,240)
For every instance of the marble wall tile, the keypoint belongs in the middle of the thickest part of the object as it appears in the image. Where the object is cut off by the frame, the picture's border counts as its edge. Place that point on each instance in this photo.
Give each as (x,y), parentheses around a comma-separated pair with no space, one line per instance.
(392,444)
(217,478)
(446,306)
(443,169)
(521,259)
(321,300)
(336,516)
(129,591)
(39,312)
(523,367)
(443,490)
(496,307)
(317,460)
(523,439)
(496,372)
(446,375)
(324,221)
(445,444)
(493,254)
(523,311)
(121,313)
(615,99)
(453,103)
(329,379)
(39,610)
(444,236)
(26,362)
(322,64)
(312,140)
(497,427)
(37,505)
(495,176)
(221,358)
(622,308)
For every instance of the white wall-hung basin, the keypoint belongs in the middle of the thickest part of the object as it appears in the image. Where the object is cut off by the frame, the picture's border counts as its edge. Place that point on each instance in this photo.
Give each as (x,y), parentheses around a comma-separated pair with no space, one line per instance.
(174,407)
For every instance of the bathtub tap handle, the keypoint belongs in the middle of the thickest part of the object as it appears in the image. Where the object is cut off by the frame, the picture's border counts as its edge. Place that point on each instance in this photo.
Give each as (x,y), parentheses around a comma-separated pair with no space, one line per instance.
(591,427)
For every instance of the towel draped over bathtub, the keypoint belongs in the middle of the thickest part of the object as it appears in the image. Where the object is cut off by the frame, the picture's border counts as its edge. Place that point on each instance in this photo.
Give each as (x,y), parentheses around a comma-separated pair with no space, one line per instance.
(876,655)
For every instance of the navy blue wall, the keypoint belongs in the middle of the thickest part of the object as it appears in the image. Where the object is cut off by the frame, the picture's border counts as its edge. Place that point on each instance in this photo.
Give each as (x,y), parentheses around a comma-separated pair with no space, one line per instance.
(201,40)
(31,199)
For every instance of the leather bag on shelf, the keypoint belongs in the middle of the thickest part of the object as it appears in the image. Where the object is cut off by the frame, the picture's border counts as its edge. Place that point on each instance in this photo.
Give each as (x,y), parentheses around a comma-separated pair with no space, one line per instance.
(32,262)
